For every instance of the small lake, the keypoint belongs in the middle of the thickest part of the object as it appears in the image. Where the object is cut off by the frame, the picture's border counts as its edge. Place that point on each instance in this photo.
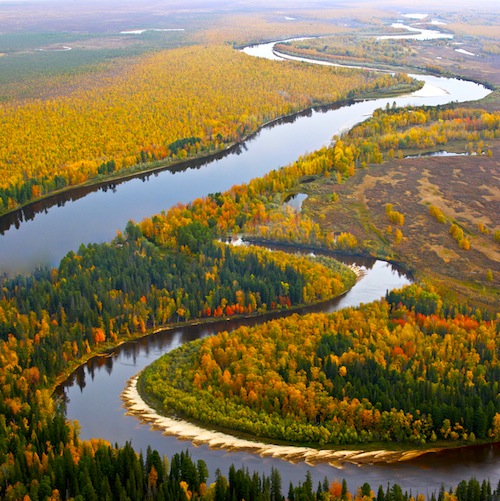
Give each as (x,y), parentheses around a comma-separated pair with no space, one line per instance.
(296,201)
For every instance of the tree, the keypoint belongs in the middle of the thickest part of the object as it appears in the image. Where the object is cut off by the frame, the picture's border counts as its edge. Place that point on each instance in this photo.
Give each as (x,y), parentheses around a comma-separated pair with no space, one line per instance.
(221,486)
(275,485)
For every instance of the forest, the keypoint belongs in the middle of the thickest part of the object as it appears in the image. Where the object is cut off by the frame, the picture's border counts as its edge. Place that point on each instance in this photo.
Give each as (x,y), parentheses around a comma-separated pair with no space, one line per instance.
(166,106)
(354,50)
(110,292)
(107,293)
(326,380)
(100,472)
(171,268)
(410,369)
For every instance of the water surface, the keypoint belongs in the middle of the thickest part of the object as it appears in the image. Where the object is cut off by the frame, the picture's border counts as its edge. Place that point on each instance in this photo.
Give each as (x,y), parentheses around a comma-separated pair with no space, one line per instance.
(43,233)
(93,398)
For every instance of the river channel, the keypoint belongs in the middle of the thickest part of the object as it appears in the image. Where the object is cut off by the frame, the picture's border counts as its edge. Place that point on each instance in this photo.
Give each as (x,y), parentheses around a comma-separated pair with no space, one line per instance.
(43,233)
(92,397)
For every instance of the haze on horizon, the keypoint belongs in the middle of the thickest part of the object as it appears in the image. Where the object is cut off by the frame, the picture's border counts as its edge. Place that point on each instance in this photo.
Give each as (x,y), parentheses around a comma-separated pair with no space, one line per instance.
(239,5)
(110,15)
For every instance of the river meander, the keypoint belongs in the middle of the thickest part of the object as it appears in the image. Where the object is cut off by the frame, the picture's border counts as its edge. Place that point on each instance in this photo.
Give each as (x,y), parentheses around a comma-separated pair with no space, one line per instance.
(93,398)
(42,233)
(45,232)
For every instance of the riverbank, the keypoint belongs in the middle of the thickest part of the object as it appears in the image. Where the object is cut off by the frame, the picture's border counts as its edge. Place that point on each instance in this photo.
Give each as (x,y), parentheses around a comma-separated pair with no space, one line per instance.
(184,430)
(143,170)
(52,233)
(107,349)
(102,381)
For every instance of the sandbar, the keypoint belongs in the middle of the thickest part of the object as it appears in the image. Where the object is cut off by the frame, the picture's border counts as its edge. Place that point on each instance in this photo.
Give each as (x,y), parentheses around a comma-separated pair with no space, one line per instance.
(184,430)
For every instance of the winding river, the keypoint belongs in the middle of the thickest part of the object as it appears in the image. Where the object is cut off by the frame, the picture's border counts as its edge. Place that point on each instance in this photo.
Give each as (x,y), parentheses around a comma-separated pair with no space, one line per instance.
(92,397)
(44,232)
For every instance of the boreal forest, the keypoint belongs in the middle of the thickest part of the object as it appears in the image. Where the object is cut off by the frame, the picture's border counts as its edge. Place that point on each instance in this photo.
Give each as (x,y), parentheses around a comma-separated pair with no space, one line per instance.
(414,371)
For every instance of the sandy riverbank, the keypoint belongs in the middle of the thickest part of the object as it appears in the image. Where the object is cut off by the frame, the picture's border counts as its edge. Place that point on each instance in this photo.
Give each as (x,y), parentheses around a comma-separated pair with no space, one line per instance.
(184,430)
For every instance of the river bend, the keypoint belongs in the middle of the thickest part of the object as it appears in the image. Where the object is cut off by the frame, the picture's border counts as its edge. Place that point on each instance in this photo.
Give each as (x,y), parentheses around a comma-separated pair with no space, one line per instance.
(44,232)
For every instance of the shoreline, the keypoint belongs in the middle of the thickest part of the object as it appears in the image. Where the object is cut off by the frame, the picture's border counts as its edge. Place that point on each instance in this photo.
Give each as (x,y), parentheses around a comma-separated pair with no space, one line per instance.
(108,351)
(184,430)
(174,165)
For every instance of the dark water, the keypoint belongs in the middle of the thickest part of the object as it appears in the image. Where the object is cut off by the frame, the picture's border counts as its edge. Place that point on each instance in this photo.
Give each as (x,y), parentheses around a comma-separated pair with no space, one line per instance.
(92,397)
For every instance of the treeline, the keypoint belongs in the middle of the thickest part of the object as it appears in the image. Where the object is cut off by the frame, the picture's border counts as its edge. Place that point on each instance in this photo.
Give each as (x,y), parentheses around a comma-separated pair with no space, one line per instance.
(167,269)
(96,471)
(394,130)
(471,490)
(353,50)
(408,369)
(124,288)
(258,209)
(167,105)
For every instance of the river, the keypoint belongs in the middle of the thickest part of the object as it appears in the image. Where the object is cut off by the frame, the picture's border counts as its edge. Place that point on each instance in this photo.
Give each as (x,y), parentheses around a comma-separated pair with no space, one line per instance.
(43,233)
(92,397)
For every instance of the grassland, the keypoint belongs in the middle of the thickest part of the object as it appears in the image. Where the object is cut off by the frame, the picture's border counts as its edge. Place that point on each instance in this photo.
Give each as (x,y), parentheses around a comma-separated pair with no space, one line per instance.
(465,187)
(35,63)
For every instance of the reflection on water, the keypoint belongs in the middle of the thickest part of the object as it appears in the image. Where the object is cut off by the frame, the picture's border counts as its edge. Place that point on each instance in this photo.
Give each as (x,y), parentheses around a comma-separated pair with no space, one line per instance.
(29,211)
(92,393)
(44,232)
(442,153)
(92,397)
(295,201)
